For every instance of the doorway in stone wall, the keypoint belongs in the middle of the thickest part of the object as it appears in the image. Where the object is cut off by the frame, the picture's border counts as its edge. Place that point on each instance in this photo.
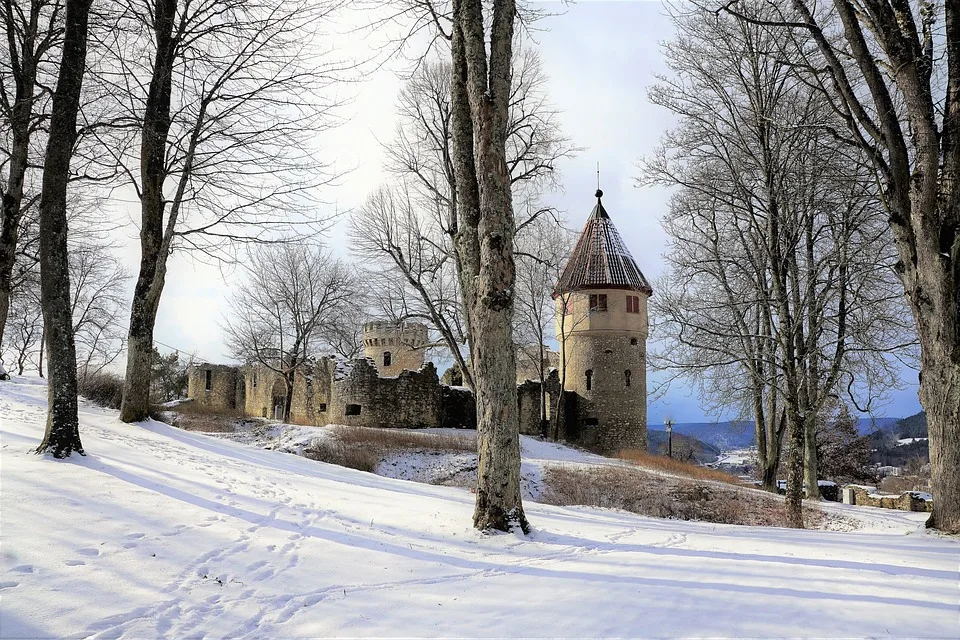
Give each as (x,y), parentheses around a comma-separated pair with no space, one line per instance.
(279,399)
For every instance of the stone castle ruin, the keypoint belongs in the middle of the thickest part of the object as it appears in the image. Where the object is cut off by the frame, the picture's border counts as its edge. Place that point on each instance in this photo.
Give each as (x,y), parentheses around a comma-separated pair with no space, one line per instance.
(601,298)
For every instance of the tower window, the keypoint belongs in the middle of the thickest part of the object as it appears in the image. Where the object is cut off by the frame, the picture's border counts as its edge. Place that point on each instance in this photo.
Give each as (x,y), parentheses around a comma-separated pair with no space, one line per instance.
(633,304)
(208,383)
(589,376)
(633,341)
(323,406)
(626,377)
(352,410)
(387,359)
(598,302)
(254,379)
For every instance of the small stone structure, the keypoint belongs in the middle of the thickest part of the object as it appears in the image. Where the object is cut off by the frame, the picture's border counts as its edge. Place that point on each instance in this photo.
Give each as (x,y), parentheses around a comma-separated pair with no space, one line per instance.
(906,501)
(215,387)
(394,346)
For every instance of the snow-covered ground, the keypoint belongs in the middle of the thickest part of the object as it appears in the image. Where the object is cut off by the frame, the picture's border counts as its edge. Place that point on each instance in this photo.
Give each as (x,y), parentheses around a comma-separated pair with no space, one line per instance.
(162,532)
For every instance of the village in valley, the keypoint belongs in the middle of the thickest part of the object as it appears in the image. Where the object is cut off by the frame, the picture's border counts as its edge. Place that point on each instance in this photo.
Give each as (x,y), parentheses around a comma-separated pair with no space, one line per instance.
(449,318)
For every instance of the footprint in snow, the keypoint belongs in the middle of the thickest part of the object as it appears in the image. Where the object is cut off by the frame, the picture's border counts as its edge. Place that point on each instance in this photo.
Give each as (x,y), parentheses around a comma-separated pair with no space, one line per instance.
(24,568)
(9,584)
(89,552)
(74,563)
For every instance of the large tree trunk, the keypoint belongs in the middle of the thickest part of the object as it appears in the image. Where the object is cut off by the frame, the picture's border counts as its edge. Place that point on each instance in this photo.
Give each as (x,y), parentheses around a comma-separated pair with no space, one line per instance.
(154,243)
(795,472)
(62,435)
(810,471)
(485,251)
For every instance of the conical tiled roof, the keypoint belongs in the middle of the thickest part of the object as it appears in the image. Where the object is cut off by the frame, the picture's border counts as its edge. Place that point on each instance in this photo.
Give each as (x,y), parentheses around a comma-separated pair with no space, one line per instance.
(600,260)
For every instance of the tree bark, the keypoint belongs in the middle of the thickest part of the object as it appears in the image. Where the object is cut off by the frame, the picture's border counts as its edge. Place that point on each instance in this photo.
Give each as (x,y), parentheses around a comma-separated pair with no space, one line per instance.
(62,435)
(480,100)
(154,245)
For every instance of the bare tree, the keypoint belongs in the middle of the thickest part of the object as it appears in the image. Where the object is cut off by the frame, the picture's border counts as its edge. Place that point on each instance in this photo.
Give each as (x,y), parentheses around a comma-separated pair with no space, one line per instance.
(418,215)
(278,314)
(33,30)
(97,305)
(480,98)
(541,255)
(62,436)
(408,244)
(218,105)
(781,293)
(894,79)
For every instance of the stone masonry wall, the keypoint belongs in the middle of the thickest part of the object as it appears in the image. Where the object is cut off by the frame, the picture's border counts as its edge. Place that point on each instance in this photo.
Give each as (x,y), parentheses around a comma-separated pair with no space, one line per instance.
(609,348)
(361,398)
(222,392)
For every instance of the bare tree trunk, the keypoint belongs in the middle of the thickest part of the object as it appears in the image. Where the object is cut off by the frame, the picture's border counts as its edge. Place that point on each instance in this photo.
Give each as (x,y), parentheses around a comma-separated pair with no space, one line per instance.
(810,468)
(43,346)
(480,97)
(153,251)
(62,435)
(25,78)
(795,471)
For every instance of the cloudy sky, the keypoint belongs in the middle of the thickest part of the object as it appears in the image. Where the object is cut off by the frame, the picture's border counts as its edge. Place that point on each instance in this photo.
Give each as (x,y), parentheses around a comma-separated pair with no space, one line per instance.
(601,57)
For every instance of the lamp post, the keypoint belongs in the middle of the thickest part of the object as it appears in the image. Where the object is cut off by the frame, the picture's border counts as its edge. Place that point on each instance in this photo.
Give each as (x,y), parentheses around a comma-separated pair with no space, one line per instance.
(669,425)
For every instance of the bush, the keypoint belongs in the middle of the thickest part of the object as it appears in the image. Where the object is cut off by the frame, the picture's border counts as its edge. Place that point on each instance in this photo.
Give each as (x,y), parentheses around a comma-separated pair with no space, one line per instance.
(351,455)
(104,389)
(659,496)
(676,467)
(364,447)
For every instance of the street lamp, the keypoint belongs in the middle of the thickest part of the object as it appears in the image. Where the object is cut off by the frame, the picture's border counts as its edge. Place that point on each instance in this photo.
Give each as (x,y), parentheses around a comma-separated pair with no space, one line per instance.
(669,425)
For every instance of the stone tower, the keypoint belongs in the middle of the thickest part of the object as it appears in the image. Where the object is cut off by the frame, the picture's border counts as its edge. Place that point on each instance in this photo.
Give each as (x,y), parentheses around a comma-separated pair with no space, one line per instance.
(394,346)
(601,299)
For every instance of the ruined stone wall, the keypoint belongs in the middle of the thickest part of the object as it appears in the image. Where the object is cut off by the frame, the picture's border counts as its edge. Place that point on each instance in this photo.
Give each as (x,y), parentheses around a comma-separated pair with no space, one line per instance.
(609,348)
(459,409)
(260,383)
(907,501)
(214,386)
(361,398)
(528,401)
(394,347)
(310,404)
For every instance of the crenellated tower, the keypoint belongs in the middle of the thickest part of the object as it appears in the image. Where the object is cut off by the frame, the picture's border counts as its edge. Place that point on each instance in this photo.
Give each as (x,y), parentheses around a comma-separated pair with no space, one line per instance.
(394,346)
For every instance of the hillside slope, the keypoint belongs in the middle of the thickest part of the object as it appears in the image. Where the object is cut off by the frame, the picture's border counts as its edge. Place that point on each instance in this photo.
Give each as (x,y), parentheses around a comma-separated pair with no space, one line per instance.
(164,533)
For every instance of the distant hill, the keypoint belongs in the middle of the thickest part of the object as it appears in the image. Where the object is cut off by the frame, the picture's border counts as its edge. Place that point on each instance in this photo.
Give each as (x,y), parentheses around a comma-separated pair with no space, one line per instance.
(914,426)
(736,434)
(702,451)
(722,435)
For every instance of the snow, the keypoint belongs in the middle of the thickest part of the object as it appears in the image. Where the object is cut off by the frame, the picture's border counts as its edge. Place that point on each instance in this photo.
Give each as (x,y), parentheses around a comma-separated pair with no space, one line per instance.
(159,532)
(903,441)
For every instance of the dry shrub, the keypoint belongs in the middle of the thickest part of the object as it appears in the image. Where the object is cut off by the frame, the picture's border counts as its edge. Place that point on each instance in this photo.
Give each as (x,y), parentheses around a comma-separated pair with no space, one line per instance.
(389,440)
(653,495)
(350,455)
(191,416)
(103,388)
(676,467)
(364,447)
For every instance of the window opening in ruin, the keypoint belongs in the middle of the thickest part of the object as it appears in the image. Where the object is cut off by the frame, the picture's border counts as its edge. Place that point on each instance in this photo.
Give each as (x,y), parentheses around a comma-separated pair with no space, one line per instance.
(254,379)
(386,358)
(598,302)
(208,385)
(633,304)
(352,410)
(626,377)
(589,375)
(633,341)
(323,406)
(591,422)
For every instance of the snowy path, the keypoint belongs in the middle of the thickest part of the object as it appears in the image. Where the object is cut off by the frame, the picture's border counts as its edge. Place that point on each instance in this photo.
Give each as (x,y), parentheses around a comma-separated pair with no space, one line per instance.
(161,532)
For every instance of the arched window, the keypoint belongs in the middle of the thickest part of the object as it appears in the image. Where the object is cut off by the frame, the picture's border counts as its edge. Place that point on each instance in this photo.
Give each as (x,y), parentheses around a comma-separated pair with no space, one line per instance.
(386,358)
(589,375)
(626,377)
